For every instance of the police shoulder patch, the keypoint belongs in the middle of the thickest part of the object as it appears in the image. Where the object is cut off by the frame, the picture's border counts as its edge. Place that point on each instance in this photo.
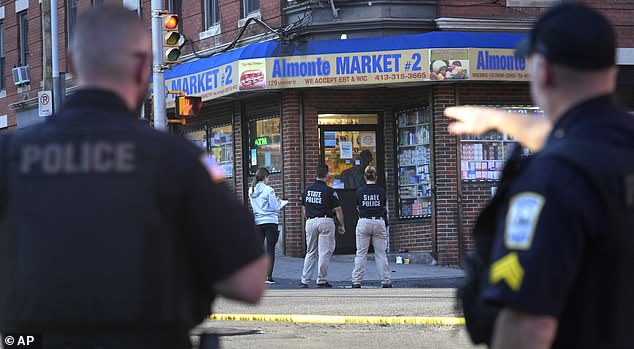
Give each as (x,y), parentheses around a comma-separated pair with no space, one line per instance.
(521,220)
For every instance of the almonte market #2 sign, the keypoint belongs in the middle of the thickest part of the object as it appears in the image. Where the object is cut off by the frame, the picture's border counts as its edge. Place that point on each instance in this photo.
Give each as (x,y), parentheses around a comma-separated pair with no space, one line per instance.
(350,69)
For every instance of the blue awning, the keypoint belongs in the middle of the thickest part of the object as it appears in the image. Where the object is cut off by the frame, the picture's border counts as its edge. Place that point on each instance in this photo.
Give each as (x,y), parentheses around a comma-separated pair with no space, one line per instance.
(375,44)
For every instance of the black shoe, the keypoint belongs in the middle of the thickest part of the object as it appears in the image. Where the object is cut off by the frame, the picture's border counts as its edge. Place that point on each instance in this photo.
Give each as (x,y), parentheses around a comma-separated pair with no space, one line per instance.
(356,285)
(324,285)
(269,281)
(302,285)
(387,285)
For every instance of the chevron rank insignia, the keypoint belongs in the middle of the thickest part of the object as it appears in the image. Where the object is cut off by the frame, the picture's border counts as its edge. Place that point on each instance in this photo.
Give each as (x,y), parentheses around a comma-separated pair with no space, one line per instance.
(509,270)
(521,220)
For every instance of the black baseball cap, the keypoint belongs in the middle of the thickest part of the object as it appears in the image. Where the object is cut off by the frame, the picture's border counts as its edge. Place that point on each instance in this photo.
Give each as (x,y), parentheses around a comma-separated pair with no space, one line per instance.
(573,35)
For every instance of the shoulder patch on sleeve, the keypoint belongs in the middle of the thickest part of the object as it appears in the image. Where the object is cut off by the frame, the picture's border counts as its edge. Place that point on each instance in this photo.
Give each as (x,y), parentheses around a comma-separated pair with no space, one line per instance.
(216,172)
(521,220)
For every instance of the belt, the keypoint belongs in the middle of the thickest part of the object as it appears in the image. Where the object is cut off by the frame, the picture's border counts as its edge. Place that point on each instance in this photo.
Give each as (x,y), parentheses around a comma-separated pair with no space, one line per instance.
(381,218)
(324,216)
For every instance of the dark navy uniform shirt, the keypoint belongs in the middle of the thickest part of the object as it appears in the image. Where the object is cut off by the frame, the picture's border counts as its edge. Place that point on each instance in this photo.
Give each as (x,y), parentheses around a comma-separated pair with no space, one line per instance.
(551,215)
(371,201)
(319,200)
(107,223)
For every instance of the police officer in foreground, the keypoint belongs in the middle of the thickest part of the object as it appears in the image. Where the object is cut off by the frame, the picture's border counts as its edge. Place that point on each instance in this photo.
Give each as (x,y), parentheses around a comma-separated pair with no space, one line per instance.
(371,226)
(320,201)
(558,272)
(113,235)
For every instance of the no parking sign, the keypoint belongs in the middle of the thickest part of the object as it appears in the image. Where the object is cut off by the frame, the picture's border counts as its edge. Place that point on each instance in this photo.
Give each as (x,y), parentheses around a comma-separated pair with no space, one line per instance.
(45,103)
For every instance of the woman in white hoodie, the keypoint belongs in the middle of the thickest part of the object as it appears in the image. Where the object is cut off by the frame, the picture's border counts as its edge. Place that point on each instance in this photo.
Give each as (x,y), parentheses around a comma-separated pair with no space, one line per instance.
(266,207)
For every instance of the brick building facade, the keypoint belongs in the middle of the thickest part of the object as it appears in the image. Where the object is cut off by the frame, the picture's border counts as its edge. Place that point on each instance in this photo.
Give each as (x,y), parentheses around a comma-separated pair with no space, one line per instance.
(235,118)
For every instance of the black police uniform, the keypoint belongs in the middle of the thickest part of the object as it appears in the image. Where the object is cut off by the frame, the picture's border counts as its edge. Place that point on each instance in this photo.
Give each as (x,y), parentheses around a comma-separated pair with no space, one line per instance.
(319,201)
(371,227)
(371,201)
(564,239)
(112,232)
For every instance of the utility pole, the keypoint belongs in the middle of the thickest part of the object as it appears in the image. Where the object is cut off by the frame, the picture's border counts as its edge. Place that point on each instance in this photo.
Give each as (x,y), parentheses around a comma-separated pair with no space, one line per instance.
(58,97)
(46,43)
(158,77)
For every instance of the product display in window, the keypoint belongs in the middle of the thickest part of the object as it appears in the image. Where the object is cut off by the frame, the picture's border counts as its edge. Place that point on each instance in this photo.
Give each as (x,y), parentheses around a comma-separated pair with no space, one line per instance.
(414,164)
(483,157)
(221,141)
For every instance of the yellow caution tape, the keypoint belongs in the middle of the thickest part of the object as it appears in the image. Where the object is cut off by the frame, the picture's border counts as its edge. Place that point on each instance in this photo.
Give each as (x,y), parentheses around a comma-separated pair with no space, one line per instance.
(339,319)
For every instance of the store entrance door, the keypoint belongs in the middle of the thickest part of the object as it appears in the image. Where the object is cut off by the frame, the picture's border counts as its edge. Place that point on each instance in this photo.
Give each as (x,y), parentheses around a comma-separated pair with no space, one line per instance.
(347,150)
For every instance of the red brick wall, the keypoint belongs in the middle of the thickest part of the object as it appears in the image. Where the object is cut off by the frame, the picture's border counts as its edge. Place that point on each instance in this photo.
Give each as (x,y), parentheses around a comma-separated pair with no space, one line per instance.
(620,13)
(292,173)
(230,14)
(445,175)
(492,10)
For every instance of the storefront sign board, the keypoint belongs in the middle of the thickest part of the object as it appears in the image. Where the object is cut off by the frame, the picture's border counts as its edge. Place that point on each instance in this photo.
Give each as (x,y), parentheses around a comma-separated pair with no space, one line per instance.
(347,69)
(209,84)
(497,65)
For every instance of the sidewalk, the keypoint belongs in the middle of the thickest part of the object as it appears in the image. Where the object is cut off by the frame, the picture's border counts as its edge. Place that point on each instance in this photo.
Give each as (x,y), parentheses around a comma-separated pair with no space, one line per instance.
(421,272)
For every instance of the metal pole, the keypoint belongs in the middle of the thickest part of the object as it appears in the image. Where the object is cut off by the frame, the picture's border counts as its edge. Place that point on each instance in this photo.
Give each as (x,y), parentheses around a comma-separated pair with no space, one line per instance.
(57,94)
(158,78)
(46,45)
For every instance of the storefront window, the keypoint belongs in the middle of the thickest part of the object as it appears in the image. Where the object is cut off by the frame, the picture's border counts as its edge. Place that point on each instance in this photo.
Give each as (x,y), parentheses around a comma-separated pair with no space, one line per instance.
(198,137)
(482,157)
(414,165)
(221,147)
(347,153)
(265,148)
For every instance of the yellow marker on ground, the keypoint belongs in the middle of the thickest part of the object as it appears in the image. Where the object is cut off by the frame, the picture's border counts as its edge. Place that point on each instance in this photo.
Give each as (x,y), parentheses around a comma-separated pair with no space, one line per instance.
(339,319)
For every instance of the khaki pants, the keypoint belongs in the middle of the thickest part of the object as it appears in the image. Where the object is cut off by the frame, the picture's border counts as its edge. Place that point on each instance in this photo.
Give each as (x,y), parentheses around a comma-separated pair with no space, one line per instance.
(320,244)
(371,230)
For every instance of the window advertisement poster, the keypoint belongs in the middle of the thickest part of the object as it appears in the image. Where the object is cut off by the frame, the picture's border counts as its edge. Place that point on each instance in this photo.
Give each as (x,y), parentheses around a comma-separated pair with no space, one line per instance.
(252,74)
(449,64)
(267,159)
(254,157)
(330,139)
(346,150)
(367,139)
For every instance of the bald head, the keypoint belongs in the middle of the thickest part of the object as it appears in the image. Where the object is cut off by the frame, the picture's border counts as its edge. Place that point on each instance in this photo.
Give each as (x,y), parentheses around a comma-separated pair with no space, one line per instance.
(108,44)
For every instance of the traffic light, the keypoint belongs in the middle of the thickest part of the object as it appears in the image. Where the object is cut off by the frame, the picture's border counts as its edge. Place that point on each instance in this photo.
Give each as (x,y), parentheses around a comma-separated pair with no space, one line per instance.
(188,105)
(171,36)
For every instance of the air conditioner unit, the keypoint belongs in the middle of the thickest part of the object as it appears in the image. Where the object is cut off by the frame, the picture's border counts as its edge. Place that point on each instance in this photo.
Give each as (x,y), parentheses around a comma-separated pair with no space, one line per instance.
(21,75)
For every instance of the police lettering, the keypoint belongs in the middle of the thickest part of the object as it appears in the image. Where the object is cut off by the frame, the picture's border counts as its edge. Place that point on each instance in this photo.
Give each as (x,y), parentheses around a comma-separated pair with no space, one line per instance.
(79,158)
(371,200)
(313,197)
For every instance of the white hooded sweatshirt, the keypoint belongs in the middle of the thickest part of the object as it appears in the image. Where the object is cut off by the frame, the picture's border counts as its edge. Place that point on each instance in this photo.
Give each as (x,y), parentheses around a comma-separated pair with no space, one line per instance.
(264,204)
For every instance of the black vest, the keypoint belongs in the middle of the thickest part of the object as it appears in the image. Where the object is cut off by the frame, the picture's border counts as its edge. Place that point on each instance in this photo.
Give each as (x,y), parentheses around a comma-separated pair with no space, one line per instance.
(101,227)
(598,311)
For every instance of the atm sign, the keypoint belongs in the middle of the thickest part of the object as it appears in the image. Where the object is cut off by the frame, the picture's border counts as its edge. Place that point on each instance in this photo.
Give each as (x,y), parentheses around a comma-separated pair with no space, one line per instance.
(260,141)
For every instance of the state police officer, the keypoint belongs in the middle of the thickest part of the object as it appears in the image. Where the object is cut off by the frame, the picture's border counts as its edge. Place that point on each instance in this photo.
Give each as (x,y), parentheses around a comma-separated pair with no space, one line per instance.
(563,242)
(320,201)
(113,235)
(371,226)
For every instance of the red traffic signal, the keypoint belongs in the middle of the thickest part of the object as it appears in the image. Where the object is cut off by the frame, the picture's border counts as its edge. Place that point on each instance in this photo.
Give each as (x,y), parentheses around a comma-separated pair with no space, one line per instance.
(170,21)
(188,105)
(171,36)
